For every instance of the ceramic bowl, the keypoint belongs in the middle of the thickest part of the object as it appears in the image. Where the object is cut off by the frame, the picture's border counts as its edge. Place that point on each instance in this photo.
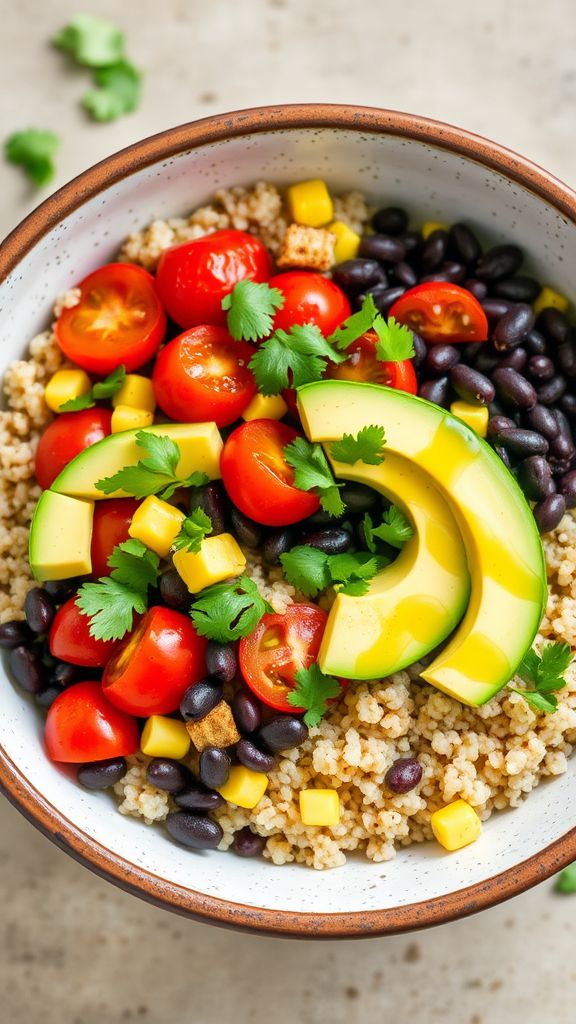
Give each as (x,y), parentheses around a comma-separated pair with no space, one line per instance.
(441,173)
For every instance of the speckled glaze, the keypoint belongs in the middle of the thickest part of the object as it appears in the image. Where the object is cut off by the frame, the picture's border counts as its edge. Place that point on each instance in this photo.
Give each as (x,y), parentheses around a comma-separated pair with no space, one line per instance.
(441,173)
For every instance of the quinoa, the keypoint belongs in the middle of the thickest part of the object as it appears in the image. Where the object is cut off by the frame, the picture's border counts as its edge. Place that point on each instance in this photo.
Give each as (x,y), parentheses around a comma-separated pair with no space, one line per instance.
(491,756)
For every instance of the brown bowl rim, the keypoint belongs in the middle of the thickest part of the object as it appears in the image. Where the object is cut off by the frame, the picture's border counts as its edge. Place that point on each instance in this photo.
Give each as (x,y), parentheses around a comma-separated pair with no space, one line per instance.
(30,802)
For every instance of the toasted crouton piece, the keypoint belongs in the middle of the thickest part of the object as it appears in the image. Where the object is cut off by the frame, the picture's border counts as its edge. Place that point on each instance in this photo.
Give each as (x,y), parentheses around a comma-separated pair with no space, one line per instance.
(302,246)
(216,729)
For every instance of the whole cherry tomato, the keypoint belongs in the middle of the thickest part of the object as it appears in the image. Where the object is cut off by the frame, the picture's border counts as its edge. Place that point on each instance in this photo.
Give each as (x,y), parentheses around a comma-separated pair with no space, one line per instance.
(68,435)
(152,668)
(441,312)
(70,638)
(363,364)
(309,298)
(119,319)
(83,726)
(257,477)
(109,528)
(194,277)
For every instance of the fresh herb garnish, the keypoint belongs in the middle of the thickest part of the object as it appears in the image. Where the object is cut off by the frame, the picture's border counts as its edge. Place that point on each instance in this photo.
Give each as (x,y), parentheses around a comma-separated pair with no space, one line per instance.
(293,358)
(110,602)
(367,446)
(312,473)
(311,570)
(156,474)
(117,92)
(544,674)
(395,341)
(194,528)
(251,308)
(33,150)
(91,41)
(566,881)
(227,611)
(394,529)
(356,325)
(312,692)
(103,389)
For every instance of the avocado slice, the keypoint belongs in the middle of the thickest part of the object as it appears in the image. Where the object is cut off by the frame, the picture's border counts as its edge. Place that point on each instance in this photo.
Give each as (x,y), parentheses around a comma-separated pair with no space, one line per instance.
(504,550)
(200,447)
(60,537)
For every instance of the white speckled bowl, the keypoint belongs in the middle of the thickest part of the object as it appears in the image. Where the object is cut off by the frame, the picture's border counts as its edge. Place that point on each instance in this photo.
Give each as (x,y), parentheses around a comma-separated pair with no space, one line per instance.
(441,173)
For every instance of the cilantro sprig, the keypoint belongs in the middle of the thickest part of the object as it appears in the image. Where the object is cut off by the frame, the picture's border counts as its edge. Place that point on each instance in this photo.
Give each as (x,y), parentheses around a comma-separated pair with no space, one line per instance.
(355,325)
(367,446)
(194,528)
(227,611)
(292,358)
(106,388)
(251,307)
(110,603)
(155,474)
(394,529)
(544,675)
(312,473)
(33,150)
(395,341)
(312,692)
(117,92)
(311,570)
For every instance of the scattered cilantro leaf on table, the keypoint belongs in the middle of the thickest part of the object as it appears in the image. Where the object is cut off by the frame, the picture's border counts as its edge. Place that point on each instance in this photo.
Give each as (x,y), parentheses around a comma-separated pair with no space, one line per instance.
(394,529)
(312,692)
(355,325)
(292,358)
(312,473)
(91,41)
(250,307)
(311,570)
(544,674)
(111,601)
(194,528)
(367,446)
(566,881)
(117,92)
(155,474)
(395,341)
(33,150)
(106,388)
(227,611)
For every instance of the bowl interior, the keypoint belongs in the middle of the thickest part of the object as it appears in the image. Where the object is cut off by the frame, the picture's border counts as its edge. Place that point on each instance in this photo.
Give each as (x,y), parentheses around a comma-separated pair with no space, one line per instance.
(434,184)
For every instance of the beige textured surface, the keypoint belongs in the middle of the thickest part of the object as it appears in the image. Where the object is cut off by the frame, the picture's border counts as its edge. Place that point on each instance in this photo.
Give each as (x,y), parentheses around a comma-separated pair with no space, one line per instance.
(73,950)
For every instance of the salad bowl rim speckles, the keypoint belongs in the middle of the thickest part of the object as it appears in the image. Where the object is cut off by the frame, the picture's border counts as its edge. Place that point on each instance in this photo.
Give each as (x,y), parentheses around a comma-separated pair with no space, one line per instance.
(19,790)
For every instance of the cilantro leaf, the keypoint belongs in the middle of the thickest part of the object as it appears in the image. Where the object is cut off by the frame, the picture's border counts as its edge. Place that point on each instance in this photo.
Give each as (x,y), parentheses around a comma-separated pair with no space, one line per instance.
(538,701)
(566,881)
(544,674)
(251,309)
(110,602)
(306,568)
(395,341)
(394,529)
(227,611)
(102,389)
(366,447)
(134,564)
(154,474)
(85,401)
(312,692)
(312,472)
(194,528)
(291,359)
(117,92)
(355,570)
(356,325)
(33,150)
(91,41)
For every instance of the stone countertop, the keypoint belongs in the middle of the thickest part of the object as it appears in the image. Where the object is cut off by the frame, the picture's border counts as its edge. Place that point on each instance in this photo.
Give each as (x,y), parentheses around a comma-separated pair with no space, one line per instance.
(73,948)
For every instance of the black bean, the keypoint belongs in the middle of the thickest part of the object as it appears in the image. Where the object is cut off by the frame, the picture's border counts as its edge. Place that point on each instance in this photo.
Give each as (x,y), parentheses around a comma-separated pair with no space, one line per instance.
(173,591)
(540,368)
(200,699)
(383,248)
(246,530)
(554,325)
(167,775)
(102,774)
(247,844)
(405,274)
(198,798)
(247,711)
(390,220)
(463,243)
(215,765)
(471,350)
(498,423)
(64,674)
(252,757)
(487,359)
(403,775)
(522,443)
(357,274)
(46,698)
(517,289)
(567,488)
(543,420)
(61,590)
(384,298)
(566,358)
(420,350)
(14,634)
(535,343)
(211,498)
(194,830)
(513,389)
(563,424)
(221,661)
(276,543)
(283,733)
(28,669)
(334,541)
(39,610)
(516,358)
(552,390)
(434,250)
(495,309)
(562,447)
(471,385)
(500,261)
(437,391)
(503,455)
(513,327)
(358,498)
(549,512)
(412,243)
(552,488)
(478,288)
(568,404)
(453,271)
(534,476)
(441,358)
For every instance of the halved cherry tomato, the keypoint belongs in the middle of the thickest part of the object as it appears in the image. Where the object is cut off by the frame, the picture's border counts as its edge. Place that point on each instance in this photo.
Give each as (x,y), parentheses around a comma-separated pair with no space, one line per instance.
(257,477)
(153,667)
(109,528)
(68,435)
(194,277)
(309,298)
(119,319)
(83,726)
(203,375)
(441,312)
(363,364)
(70,638)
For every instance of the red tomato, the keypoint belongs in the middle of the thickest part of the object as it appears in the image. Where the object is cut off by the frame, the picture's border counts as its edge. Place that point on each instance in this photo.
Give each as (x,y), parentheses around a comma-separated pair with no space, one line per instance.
(83,726)
(203,375)
(309,299)
(257,477)
(119,319)
(109,528)
(70,638)
(363,365)
(155,665)
(68,435)
(194,277)
(443,312)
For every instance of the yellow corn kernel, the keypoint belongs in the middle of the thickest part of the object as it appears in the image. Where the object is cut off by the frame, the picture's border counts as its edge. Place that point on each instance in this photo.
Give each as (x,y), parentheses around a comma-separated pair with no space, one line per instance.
(137,392)
(430,226)
(156,524)
(244,787)
(64,386)
(265,407)
(125,417)
(548,297)
(456,825)
(319,807)
(310,203)
(165,737)
(476,416)
(220,558)
(347,241)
